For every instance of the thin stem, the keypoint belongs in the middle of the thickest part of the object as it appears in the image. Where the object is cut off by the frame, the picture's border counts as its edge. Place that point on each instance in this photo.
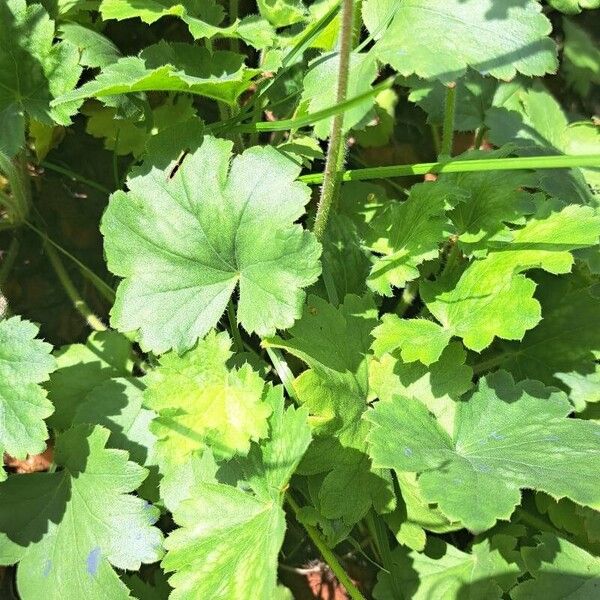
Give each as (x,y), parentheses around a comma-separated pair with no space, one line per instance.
(435,134)
(79,304)
(326,552)
(8,260)
(380,535)
(234,13)
(448,130)
(490,363)
(522,163)
(283,371)
(336,137)
(75,176)
(479,135)
(105,290)
(233,326)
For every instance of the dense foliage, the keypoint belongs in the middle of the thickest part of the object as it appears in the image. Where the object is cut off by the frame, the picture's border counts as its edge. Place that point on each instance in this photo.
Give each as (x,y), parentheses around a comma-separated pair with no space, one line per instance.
(299,294)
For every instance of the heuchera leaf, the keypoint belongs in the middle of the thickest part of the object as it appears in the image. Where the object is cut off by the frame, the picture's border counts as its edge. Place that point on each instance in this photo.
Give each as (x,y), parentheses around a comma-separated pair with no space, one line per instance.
(444,571)
(560,571)
(506,436)
(201,403)
(25,362)
(66,529)
(174,67)
(184,243)
(229,537)
(441,40)
(33,70)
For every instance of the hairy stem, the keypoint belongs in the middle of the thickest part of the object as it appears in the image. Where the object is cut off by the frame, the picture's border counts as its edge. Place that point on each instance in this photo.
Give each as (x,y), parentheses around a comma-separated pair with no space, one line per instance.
(79,304)
(448,129)
(336,138)
(326,552)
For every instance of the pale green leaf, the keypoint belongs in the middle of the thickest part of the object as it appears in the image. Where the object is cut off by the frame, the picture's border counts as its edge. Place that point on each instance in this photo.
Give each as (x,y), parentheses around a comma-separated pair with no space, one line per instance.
(202,403)
(229,538)
(506,437)
(321,79)
(212,229)
(25,362)
(67,530)
(282,12)
(493,298)
(572,7)
(581,58)
(441,40)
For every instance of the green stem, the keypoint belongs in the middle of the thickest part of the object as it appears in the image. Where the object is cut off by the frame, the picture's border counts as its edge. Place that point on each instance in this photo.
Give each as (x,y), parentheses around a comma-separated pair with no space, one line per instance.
(464,166)
(479,135)
(233,326)
(336,138)
(103,288)
(8,260)
(326,552)
(18,202)
(435,134)
(234,13)
(79,304)
(490,363)
(448,130)
(380,534)
(283,371)
(75,177)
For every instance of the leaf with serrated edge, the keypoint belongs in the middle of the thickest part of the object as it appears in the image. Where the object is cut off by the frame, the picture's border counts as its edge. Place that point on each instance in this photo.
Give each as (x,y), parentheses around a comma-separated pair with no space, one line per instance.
(506,437)
(228,538)
(210,231)
(66,529)
(25,362)
(496,40)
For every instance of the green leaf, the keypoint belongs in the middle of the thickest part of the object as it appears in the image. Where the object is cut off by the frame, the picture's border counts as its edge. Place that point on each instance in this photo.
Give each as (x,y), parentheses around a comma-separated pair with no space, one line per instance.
(444,571)
(506,436)
(33,70)
(229,537)
(177,67)
(321,79)
(96,50)
(81,367)
(117,404)
(334,343)
(481,34)
(203,18)
(573,7)
(187,241)
(493,298)
(563,346)
(25,362)
(201,403)
(408,233)
(560,571)
(72,525)
(282,12)
(474,94)
(581,58)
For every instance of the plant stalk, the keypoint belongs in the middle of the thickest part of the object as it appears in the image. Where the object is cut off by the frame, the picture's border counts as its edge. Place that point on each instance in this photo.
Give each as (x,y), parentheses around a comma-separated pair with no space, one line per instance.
(448,129)
(522,163)
(336,138)
(79,304)
(327,553)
